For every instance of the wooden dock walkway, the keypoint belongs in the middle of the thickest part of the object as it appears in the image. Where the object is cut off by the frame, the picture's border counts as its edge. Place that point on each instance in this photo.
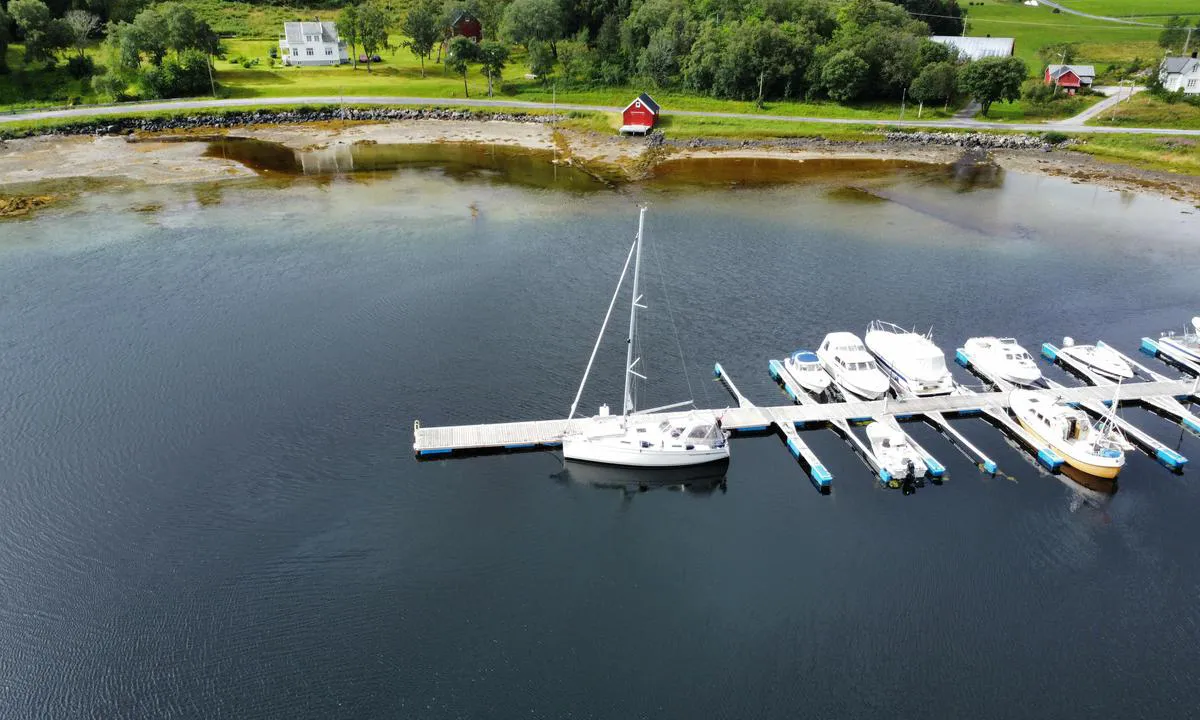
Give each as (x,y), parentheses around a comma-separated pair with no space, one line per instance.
(445,440)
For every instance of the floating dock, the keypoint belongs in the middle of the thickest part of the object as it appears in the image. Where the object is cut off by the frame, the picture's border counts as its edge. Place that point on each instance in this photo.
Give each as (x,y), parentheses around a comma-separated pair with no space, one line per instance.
(1153,349)
(1152,447)
(795,390)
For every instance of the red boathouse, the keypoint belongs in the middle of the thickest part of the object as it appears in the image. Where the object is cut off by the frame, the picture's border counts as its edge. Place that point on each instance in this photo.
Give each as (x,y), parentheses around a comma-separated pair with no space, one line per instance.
(640,115)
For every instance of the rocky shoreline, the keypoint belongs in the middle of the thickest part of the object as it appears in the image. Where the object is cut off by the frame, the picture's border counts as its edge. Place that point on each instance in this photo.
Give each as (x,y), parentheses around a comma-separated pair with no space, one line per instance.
(251,118)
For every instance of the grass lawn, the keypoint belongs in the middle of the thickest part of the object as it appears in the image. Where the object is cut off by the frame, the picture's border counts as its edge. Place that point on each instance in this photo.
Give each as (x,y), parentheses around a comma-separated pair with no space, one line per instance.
(1144,110)
(230,17)
(400,74)
(1134,8)
(1100,42)
(1170,154)
(1022,111)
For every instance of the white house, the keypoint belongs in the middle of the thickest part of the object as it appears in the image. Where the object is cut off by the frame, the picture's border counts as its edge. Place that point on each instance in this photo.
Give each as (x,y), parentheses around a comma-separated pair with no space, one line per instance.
(1180,73)
(312,43)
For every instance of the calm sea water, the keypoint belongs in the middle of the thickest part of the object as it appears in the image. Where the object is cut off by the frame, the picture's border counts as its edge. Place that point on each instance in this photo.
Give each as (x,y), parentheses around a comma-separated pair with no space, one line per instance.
(210,506)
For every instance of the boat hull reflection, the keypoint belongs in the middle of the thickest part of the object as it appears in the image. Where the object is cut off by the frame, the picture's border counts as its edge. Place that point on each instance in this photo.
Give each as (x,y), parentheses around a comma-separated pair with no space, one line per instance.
(694,480)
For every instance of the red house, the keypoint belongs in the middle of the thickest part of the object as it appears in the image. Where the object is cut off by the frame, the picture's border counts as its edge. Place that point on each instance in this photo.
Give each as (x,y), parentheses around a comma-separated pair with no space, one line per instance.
(639,116)
(467,25)
(1070,77)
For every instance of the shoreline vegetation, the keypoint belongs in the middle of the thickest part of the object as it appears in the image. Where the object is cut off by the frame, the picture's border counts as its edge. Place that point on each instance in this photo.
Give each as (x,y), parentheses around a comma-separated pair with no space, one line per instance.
(173,150)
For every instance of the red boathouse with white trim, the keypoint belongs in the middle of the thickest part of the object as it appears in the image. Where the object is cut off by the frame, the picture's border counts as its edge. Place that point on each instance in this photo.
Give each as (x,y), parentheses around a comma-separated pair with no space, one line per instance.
(640,115)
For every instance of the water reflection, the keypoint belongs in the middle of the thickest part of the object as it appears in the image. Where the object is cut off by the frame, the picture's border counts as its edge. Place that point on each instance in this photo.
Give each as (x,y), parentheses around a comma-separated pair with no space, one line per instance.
(700,480)
(461,161)
(1088,489)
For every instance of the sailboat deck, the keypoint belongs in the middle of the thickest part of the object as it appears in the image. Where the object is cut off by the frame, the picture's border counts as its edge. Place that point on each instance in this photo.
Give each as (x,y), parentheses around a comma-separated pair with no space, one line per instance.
(429,441)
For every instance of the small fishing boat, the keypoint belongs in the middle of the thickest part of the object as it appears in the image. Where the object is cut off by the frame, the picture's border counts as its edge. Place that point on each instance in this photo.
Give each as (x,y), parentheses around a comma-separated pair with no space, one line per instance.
(852,368)
(894,452)
(1185,346)
(805,367)
(913,364)
(1095,449)
(1099,359)
(1004,359)
(636,438)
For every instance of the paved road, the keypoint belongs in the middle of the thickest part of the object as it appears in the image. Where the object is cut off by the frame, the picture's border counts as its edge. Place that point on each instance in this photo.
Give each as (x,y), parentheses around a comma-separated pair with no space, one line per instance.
(213,103)
(1069,11)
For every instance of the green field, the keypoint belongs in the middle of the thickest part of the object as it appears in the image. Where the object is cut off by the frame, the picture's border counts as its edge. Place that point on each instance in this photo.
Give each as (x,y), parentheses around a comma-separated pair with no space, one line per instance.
(1134,8)
(1100,42)
(1145,110)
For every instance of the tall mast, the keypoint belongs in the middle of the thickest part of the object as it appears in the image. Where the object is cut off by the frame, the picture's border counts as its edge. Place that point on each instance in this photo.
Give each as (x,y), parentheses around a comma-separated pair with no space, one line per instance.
(630,362)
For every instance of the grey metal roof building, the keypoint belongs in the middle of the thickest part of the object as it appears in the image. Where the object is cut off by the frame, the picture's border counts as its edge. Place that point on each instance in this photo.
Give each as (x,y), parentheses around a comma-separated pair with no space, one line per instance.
(976,48)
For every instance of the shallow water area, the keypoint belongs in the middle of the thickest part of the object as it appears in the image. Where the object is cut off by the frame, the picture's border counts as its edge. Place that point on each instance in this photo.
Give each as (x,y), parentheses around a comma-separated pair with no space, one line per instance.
(211,508)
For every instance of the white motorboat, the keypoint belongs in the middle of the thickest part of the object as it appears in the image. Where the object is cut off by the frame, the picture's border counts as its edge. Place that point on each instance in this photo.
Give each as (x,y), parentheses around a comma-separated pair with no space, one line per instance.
(805,366)
(641,439)
(847,361)
(894,452)
(911,361)
(1095,449)
(1099,359)
(1003,359)
(1185,346)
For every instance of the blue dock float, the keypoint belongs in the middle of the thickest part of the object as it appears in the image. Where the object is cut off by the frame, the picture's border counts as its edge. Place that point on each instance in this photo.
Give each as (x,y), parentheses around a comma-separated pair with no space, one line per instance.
(1049,352)
(960,357)
(436,451)
(1149,347)
(1171,459)
(1049,458)
(935,468)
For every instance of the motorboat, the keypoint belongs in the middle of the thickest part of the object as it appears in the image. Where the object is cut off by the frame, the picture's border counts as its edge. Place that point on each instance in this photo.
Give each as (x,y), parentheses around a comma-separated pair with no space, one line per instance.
(1003,359)
(852,368)
(1100,359)
(896,455)
(646,438)
(1185,346)
(805,367)
(911,361)
(1094,449)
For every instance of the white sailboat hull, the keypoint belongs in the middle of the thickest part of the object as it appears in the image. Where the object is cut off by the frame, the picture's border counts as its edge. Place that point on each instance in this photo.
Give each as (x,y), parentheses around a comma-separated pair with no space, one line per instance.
(628,453)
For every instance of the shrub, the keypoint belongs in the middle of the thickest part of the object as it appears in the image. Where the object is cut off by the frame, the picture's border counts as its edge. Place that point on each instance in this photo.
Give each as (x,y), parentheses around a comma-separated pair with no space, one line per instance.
(1055,138)
(81,67)
(177,77)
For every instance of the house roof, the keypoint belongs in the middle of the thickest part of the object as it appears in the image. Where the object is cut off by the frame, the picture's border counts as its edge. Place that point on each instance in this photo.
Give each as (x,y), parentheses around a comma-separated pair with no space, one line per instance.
(1183,64)
(1081,71)
(647,101)
(295,32)
(977,47)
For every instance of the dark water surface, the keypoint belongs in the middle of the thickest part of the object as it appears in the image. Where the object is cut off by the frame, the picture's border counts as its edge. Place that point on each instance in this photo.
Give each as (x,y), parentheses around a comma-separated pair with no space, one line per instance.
(210,506)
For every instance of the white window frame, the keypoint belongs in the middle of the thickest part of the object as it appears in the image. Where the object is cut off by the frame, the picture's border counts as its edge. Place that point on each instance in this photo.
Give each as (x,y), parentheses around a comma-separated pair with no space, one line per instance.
(308,52)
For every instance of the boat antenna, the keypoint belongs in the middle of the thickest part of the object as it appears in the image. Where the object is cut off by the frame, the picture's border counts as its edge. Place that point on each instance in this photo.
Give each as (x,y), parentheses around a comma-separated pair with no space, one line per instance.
(604,325)
(630,362)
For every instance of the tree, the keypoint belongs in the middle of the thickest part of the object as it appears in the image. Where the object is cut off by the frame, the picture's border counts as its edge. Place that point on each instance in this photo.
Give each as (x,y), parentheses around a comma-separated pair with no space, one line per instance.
(147,35)
(844,76)
(541,61)
(372,30)
(1174,33)
(528,20)
(347,26)
(992,79)
(184,75)
(937,81)
(80,25)
(43,34)
(423,29)
(186,31)
(492,56)
(461,53)
(4,21)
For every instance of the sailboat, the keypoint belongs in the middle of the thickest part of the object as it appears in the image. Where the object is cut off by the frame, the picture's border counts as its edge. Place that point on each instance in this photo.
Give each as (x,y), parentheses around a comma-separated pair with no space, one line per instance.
(641,438)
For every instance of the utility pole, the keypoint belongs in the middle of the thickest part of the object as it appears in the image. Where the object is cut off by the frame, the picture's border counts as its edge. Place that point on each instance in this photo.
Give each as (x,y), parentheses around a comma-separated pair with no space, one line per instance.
(1062,60)
(1188,41)
(903,95)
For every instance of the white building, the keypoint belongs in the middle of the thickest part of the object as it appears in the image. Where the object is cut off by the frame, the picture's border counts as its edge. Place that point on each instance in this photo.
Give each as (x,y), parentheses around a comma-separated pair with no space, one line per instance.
(1180,73)
(312,43)
(976,48)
